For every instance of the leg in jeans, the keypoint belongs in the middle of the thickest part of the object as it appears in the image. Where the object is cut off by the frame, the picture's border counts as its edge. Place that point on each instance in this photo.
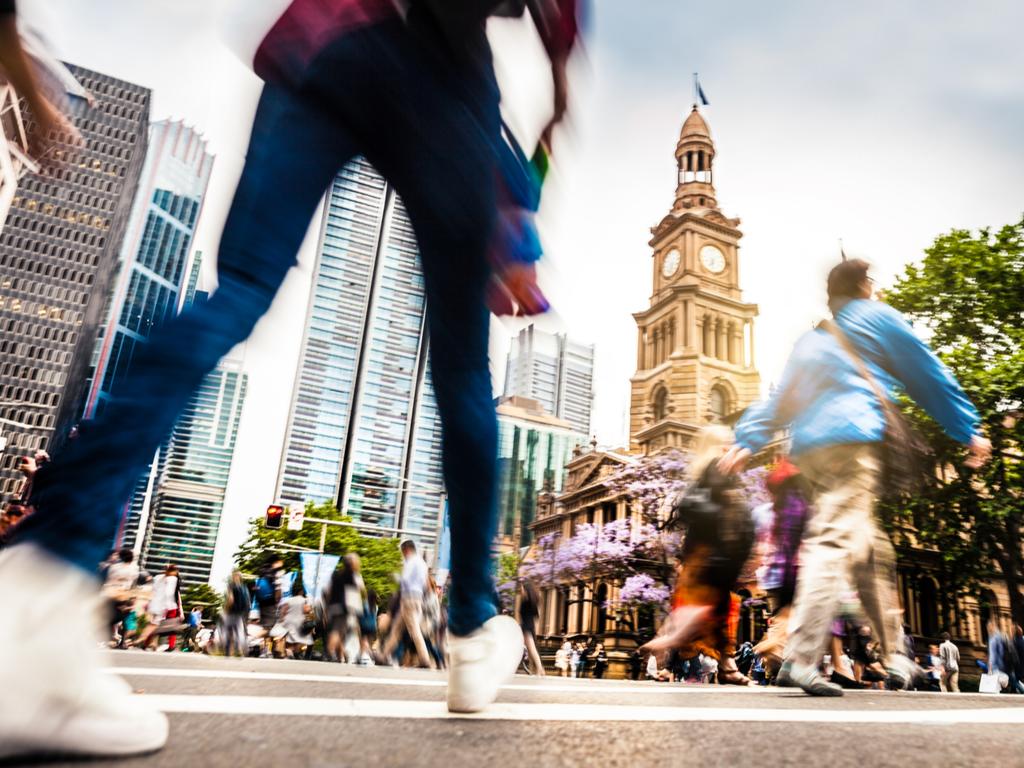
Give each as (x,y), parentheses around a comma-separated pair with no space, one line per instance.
(439,153)
(294,152)
(838,545)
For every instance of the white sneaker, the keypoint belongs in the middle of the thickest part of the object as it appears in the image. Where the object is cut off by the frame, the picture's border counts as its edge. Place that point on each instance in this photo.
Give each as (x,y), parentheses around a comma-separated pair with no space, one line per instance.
(67,705)
(481,662)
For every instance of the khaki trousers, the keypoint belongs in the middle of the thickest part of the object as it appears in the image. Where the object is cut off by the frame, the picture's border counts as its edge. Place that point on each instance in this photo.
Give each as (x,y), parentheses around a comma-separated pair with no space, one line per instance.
(410,619)
(843,544)
(949,681)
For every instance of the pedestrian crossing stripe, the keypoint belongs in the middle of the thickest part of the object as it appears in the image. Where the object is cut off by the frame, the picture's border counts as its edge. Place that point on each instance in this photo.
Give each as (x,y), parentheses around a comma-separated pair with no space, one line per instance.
(539,686)
(278,706)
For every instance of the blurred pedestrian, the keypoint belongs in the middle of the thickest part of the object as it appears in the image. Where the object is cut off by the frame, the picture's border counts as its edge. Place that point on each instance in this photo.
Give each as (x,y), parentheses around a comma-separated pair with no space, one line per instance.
(719,537)
(345,600)
(368,630)
(1018,647)
(949,656)
(269,594)
(562,658)
(237,602)
(293,631)
(600,662)
(411,87)
(118,585)
(194,624)
(834,398)
(165,611)
(412,584)
(529,607)
(778,574)
(636,663)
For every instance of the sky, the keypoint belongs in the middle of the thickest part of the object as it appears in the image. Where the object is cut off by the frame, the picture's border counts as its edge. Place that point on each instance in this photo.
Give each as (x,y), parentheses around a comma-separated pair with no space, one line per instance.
(883,124)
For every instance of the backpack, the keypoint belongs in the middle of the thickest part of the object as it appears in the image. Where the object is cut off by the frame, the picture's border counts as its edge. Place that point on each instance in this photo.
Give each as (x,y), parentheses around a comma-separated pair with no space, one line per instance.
(264,591)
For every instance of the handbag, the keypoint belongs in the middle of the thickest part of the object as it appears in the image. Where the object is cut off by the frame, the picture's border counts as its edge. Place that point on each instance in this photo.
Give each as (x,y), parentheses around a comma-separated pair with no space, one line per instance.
(990,683)
(903,449)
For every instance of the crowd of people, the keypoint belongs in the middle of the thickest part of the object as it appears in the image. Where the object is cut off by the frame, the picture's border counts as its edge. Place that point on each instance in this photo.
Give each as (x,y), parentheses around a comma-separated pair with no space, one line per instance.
(270,614)
(581,659)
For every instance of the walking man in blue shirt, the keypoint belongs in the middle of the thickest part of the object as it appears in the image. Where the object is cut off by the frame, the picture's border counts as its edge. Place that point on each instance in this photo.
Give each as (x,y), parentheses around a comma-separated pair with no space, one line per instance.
(837,424)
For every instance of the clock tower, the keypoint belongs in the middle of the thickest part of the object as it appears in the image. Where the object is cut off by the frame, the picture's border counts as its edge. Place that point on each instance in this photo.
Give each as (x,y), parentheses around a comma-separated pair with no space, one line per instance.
(695,342)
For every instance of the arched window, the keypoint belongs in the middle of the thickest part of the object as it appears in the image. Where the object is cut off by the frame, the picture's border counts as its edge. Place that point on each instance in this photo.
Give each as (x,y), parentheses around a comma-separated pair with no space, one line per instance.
(718,404)
(660,404)
(928,606)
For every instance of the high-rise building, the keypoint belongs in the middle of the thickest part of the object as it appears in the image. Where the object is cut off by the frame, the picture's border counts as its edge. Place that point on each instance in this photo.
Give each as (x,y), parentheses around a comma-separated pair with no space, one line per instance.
(58,253)
(363,428)
(154,253)
(187,498)
(533,449)
(555,371)
(14,159)
(134,516)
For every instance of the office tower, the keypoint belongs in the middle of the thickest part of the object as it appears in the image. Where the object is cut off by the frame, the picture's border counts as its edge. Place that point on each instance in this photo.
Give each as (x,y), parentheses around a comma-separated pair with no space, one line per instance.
(14,159)
(136,512)
(58,253)
(154,253)
(363,428)
(555,371)
(187,497)
(533,449)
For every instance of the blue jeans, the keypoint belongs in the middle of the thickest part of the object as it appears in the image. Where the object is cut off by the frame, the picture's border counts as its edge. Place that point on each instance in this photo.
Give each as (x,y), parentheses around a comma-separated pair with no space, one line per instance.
(429,126)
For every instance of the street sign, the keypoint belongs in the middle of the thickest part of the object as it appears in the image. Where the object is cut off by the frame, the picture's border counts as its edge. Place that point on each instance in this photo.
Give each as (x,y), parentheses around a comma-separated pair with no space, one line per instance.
(296,514)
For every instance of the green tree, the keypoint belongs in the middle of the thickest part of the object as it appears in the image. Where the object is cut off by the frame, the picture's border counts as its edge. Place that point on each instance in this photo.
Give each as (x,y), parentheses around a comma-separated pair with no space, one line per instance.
(380,558)
(507,578)
(968,295)
(204,596)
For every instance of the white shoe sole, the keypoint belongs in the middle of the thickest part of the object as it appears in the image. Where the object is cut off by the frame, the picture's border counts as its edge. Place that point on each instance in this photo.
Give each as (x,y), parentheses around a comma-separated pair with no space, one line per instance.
(474,685)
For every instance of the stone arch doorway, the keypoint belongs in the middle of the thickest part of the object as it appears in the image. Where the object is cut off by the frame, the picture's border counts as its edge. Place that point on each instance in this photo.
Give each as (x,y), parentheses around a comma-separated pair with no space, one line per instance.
(600,611)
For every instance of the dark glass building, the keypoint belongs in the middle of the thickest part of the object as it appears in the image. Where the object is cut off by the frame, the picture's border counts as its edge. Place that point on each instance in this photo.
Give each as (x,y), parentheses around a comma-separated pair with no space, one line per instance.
(59,251)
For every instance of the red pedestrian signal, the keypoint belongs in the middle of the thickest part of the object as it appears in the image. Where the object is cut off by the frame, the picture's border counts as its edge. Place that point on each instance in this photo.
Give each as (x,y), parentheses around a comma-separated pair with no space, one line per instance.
(275,514)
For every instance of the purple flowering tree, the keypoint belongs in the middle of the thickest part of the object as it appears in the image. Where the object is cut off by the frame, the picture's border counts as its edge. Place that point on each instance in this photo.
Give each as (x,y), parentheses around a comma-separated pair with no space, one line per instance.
(636,553)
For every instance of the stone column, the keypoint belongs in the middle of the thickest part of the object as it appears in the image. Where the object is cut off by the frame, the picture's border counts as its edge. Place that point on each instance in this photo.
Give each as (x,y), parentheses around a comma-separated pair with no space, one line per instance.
(753,360)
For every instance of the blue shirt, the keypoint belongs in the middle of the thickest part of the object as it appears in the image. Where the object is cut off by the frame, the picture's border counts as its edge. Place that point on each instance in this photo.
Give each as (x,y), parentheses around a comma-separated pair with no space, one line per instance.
(823,399)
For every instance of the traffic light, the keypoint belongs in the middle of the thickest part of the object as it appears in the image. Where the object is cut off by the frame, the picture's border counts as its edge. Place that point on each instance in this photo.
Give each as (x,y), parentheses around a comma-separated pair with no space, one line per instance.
(275,513)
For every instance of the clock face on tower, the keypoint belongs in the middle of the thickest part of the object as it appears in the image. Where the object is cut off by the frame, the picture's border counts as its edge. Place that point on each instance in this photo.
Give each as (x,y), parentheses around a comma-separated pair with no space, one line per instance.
(712,259)
(671,263)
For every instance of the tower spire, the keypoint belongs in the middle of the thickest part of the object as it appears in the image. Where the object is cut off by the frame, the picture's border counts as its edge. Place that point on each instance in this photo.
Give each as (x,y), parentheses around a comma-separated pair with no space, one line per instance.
(695,153)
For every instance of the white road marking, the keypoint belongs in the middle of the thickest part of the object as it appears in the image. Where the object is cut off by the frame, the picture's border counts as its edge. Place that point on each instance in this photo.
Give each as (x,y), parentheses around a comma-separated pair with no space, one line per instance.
(277,706)
(539,686)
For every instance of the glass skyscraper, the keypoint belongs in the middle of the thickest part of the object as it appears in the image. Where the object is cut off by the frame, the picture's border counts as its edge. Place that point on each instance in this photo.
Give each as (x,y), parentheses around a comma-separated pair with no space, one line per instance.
(59,249)
(555,371)
(363,428)
(155,251)
(187,497)
(533,449)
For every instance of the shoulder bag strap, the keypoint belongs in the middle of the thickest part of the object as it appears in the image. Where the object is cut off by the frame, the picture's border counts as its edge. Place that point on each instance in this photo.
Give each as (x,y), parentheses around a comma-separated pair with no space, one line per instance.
(837,333)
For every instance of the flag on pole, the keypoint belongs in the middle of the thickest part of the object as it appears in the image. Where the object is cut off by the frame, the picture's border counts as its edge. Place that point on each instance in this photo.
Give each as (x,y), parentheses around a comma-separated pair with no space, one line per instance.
(698,92)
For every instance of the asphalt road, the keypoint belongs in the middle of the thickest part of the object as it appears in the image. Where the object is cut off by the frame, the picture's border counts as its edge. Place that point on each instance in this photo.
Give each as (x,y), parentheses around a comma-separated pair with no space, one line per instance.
(252,712)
